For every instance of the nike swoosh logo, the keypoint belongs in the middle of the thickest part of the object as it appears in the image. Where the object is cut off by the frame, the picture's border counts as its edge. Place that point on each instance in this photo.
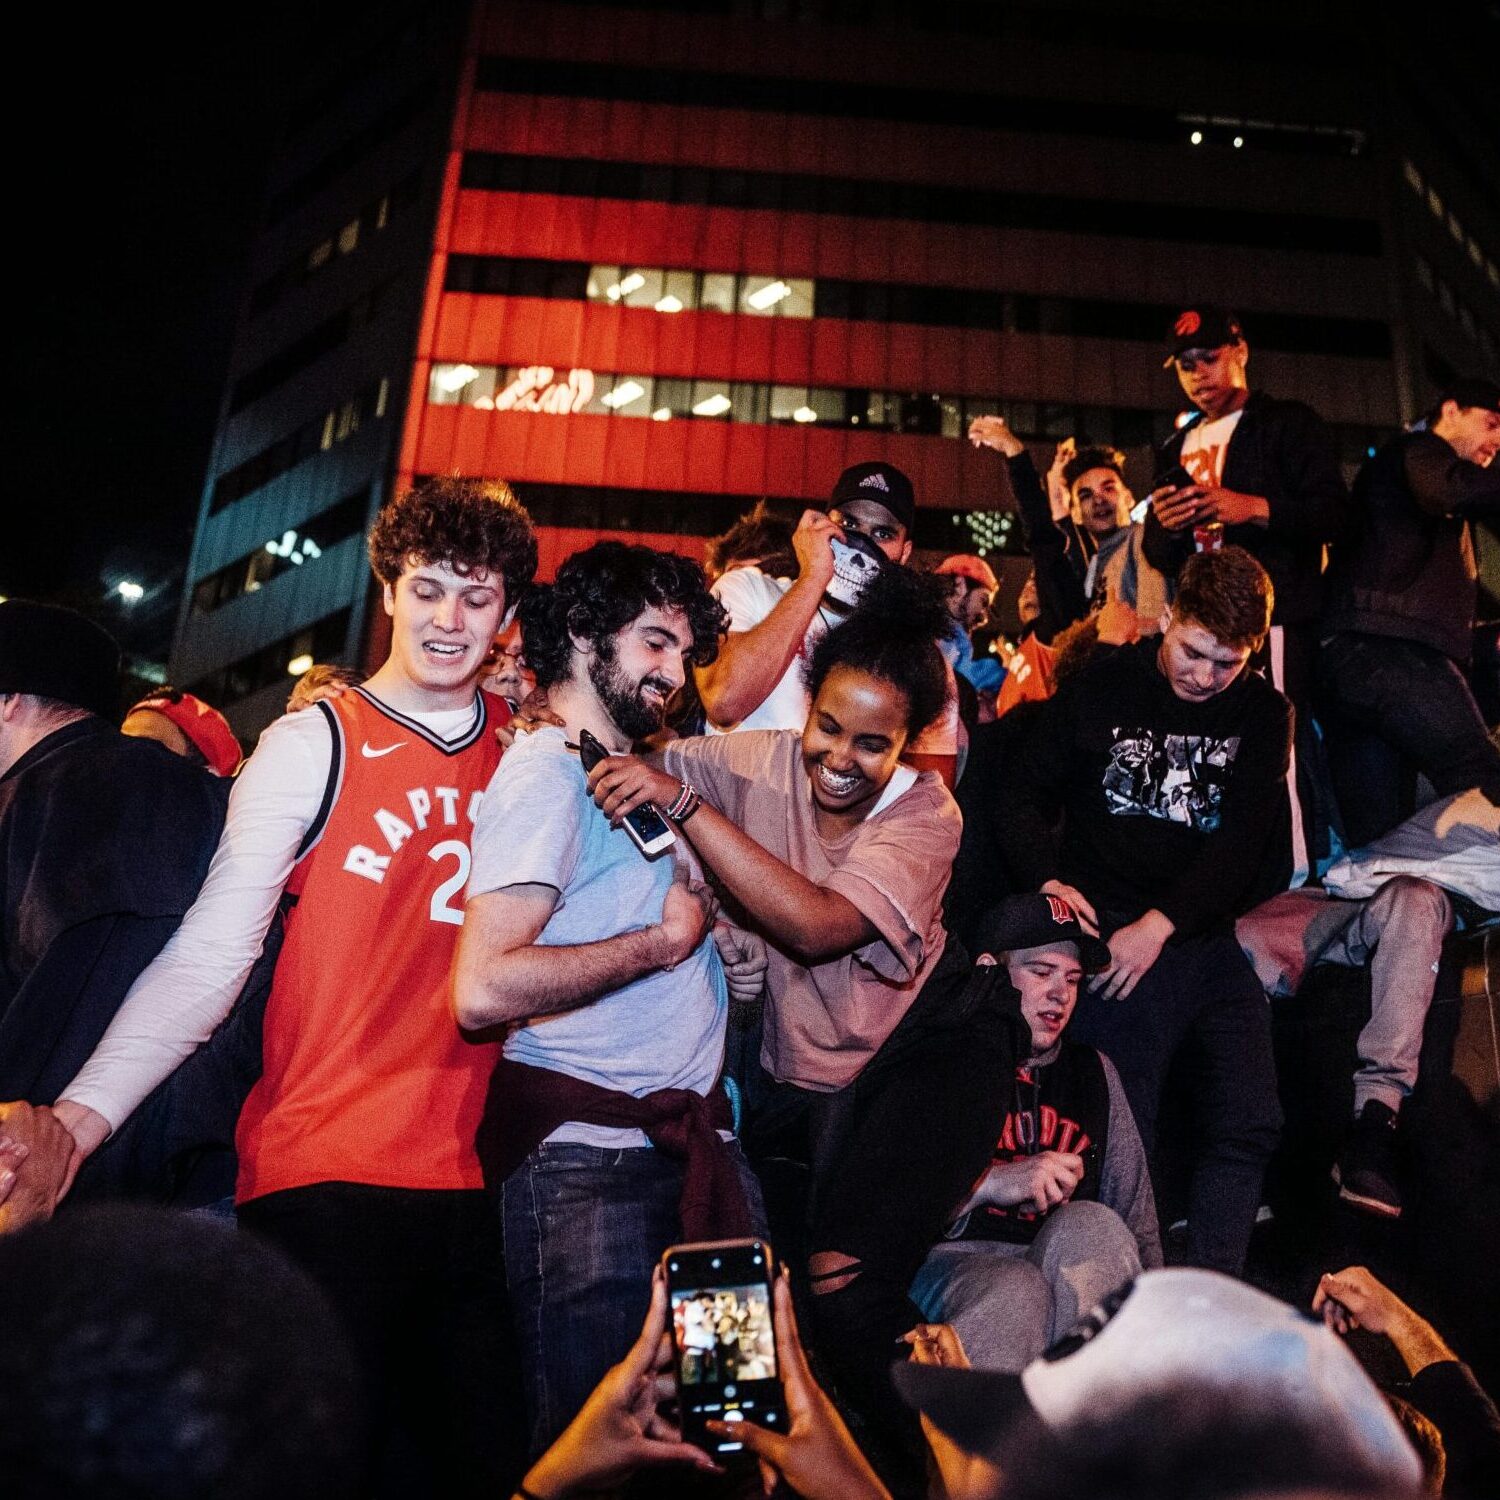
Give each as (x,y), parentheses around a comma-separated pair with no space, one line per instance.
(370,754)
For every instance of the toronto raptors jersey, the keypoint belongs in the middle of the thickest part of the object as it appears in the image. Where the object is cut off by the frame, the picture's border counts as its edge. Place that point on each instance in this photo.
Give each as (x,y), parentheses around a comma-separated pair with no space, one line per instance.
(367,1077)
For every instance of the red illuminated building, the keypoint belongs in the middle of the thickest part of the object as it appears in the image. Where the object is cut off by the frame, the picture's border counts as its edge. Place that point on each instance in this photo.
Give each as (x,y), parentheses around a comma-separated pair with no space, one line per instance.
(652,262)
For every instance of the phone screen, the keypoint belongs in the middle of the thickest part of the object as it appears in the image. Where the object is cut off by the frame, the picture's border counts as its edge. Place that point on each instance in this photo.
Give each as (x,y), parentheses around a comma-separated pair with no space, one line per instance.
(724,1338)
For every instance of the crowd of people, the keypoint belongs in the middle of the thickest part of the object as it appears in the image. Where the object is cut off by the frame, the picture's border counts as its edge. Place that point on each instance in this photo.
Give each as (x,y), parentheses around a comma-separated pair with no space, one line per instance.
(659,904)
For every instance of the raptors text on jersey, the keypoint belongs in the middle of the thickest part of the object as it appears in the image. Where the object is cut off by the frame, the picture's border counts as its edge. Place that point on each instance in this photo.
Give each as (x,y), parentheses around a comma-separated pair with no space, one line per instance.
(367,1077)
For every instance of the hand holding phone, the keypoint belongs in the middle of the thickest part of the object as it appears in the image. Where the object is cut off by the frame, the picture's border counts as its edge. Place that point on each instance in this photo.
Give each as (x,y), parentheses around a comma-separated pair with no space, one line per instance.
(724,1336)
(649,830)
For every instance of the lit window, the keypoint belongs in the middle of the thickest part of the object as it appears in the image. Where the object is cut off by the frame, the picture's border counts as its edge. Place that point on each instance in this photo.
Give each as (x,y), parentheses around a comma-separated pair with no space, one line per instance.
(630,396)
(349,236)
(1434,202)
(1413,177)
(787,401)
(717,294)
(762,294)
(710,398)
(601,278)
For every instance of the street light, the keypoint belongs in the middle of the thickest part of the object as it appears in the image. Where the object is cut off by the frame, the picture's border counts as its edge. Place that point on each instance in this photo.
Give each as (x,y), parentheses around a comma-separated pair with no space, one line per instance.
(131,593)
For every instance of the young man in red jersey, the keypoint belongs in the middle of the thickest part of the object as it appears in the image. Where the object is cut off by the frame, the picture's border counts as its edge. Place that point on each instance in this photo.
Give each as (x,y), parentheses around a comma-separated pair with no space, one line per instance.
(357,1147)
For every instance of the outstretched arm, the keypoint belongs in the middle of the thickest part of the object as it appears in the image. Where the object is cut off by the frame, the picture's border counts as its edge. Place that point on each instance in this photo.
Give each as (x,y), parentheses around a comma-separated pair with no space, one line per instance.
(808,921)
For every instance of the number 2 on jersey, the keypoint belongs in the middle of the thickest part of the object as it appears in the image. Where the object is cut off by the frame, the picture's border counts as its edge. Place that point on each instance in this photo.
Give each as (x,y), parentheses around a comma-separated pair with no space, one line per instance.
(440,910)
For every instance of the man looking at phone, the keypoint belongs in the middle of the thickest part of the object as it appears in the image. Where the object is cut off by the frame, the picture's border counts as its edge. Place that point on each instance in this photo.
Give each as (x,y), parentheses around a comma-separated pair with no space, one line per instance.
(1163,763)
(1260,473)
(601,1133)
(1065,1215)
(756,680)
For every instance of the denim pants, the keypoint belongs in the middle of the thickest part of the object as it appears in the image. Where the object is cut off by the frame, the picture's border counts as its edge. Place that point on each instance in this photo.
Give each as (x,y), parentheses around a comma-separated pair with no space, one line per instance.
(1008,1302)
(1398,932)
(1419,704)
(1200,992)
(584,1229)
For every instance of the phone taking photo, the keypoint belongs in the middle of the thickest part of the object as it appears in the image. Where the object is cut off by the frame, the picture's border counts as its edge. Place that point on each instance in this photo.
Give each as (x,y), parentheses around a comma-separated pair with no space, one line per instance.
(724,1339)
(1174,478)
(650,831)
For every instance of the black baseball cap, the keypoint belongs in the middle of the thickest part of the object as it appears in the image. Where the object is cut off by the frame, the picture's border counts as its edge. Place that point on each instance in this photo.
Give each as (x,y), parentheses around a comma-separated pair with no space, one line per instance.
(1036,921)
(51,652)
(1475,392)
(884,483)
(1205,326)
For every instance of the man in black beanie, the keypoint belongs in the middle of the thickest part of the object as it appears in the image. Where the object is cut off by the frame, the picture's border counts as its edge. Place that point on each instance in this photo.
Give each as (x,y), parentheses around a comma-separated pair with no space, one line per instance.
(104,841)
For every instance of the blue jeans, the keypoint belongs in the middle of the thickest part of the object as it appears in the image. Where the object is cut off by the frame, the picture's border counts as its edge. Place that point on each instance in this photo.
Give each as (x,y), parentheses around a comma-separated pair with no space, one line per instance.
(584,1228)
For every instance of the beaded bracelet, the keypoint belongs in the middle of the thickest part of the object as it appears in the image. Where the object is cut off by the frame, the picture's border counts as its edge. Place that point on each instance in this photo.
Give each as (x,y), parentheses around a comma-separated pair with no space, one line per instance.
(684,804)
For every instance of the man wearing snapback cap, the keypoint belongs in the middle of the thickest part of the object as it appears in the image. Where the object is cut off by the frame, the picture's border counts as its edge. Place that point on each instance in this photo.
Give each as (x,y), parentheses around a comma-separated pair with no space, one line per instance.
(1065,1214)
(756,682)
(1264,476)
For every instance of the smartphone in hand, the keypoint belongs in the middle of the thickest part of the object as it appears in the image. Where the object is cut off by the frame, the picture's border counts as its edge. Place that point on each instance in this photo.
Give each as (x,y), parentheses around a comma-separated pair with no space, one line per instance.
(650,831)
(724,1339)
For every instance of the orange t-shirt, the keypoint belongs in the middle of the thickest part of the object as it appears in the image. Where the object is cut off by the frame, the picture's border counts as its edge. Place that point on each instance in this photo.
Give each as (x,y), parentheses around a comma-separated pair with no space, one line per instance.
(367,1077)
(1029,676)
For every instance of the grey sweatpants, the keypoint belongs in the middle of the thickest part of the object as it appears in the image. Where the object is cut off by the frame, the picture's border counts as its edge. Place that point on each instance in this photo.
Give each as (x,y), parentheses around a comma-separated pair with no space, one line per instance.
(1398,931)
(1009,1302)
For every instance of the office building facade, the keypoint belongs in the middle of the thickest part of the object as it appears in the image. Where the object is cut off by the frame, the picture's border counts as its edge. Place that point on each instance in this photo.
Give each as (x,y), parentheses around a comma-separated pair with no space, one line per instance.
(652,262)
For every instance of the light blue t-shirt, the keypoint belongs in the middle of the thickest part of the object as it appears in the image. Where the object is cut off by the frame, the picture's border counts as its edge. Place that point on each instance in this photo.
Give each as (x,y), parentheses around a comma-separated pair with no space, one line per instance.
(538,825)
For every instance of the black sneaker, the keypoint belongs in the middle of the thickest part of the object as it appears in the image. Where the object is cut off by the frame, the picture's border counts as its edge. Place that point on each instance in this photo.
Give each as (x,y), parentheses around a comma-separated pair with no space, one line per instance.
(1366,1169)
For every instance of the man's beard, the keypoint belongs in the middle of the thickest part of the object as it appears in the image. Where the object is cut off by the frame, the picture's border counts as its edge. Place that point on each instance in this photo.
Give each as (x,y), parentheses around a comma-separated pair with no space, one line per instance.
(633,716)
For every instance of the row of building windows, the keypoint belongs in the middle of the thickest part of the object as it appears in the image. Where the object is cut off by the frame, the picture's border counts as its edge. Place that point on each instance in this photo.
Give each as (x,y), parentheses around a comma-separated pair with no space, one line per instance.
(661,398)
(847,100)
(542,388)
(673,291)
(390,122)
(281,661)
(1455,306)
(310,347)
(332,248)
(324,432)
(924,202)
(293,548)
(1445,216)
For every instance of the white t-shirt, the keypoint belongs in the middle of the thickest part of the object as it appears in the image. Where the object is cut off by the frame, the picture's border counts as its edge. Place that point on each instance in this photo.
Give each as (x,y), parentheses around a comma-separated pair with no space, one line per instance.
(537,825)
(181,997)
(1206,444)
(749,596)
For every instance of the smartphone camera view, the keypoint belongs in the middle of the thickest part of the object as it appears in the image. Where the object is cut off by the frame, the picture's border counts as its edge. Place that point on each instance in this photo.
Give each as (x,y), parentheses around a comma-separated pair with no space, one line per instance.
(724,1339)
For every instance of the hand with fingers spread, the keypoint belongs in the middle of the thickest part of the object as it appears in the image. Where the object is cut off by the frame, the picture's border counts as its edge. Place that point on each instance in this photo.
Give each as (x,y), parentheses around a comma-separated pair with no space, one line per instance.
(1132,951)
(535,713)
(620,1428)
(815,1456)
(1087,918)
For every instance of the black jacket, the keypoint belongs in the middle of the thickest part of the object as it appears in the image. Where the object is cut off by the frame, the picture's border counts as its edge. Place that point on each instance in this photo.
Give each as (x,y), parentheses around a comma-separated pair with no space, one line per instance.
(1408,568)
(1060,552)
(1284,452)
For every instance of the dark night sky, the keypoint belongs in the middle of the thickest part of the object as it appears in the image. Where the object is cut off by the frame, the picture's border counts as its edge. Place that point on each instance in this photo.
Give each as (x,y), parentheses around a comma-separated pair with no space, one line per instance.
(143,178)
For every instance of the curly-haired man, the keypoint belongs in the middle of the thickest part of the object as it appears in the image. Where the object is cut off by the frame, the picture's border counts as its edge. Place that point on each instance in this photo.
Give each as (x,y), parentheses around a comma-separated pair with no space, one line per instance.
(601,1128)
(357,1146)
(1161,765)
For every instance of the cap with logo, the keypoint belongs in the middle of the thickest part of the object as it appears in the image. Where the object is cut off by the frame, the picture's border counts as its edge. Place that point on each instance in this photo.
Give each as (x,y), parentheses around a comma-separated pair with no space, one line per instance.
(1206,326)
(976,569)
(1172,1327)
(1036,921)
(881,482)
